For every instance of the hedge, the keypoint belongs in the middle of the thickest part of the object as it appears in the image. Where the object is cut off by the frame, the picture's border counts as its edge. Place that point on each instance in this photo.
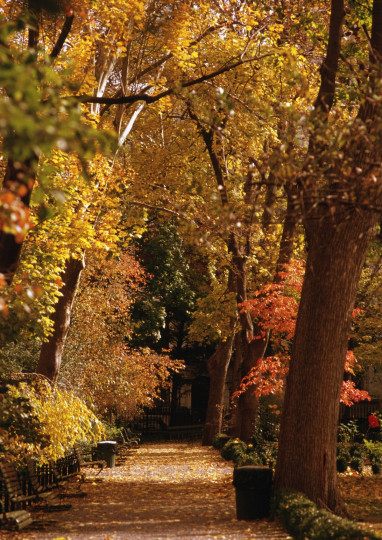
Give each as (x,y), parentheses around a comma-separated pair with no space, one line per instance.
(303,520)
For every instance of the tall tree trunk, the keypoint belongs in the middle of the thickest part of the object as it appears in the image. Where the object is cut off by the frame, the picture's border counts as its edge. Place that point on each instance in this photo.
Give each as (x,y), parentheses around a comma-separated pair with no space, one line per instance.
(234,424)
(307,444)
(248,402)
(253,350)
(338,237)
(288,236)
(51,351)
(217,366)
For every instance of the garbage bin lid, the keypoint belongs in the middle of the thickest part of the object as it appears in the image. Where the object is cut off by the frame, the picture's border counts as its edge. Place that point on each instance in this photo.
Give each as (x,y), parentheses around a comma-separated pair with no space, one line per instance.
(107,442)
(251,476)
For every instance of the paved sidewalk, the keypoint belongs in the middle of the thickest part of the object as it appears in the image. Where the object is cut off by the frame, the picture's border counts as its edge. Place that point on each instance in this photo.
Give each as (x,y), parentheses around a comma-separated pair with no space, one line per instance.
(162,491)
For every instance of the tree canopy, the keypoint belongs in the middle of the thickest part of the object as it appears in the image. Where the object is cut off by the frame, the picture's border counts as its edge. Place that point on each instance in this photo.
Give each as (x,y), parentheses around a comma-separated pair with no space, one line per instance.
(162,162)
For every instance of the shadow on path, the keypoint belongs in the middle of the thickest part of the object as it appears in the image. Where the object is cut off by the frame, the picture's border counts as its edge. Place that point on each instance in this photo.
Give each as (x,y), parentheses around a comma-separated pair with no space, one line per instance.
(162,491)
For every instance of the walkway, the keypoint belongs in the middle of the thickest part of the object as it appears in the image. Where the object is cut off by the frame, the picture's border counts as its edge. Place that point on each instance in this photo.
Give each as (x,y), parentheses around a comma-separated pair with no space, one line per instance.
(162,491)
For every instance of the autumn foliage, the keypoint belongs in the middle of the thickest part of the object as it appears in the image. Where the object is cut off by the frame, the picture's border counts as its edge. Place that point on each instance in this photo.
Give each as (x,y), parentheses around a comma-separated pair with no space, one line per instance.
(275,308)
(111,376)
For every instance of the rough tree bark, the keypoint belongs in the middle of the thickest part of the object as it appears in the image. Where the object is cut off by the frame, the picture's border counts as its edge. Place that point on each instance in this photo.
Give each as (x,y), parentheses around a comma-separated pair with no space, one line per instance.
(217,366)
(307,444)
(338,235)
(51,351)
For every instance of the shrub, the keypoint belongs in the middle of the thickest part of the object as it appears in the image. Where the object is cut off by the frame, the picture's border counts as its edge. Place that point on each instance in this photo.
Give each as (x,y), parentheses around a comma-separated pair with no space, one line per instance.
(348,431)
(219,440)
(356,463)
(112,432)
(267,452)
(376,467)
(342,463)
(55,421)
(358,450)
(374,450)
(302,519)
(248,459)
(233,450)
(343,450)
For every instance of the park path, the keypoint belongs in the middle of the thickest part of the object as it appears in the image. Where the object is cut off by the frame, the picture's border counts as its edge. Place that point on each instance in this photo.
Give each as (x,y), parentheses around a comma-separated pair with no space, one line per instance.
(161,491)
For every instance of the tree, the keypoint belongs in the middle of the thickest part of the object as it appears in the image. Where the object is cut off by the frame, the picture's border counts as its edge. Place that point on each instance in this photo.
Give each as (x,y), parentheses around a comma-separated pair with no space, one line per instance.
(33,90)
(122,34)
(340,193)
(117,380)
(275,309)
(161,313)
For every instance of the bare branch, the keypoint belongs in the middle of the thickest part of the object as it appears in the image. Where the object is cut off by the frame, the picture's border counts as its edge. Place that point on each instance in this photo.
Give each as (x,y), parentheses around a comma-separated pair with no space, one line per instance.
(329,67)
(153,98)
(62,37)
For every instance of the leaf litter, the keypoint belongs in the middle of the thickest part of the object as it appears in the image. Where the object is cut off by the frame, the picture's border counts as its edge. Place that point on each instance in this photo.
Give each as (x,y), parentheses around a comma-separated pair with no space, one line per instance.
(160,491)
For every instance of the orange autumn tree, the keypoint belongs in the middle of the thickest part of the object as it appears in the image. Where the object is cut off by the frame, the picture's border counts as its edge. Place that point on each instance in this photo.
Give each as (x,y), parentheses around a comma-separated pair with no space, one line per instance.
(115,379)
(275,308)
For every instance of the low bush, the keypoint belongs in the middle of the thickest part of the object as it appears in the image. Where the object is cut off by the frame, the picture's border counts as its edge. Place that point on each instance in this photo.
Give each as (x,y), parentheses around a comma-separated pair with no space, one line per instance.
(234,450)
(357,463)
(302,519)
(343,450)
(248,459)
(219,440)
(261,453)
(35,419)
(374,450)
(358,450)
(342,463)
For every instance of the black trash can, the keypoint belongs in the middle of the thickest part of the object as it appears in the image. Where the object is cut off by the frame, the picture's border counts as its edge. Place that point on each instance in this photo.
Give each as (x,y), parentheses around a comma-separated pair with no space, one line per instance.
(107,451)
(253,491)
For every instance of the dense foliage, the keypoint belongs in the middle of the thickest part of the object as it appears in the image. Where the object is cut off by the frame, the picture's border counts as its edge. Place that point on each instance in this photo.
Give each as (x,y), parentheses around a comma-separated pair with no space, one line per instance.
(303,519)
(231,153)
(38,421)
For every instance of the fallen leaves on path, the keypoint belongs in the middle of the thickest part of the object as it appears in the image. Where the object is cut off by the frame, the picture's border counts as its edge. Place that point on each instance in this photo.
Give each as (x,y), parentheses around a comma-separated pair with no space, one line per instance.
(161,491)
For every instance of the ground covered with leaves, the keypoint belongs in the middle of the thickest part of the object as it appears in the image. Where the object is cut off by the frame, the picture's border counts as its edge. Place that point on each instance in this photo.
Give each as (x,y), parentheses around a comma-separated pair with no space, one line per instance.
(363,496)
(167,490)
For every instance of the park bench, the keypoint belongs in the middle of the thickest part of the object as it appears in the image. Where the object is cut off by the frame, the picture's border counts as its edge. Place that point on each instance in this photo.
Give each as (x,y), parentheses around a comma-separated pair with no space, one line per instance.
(17,498)
(127,438)
(69,485)
(46,478)
(16,519)
(126,441)
(86,459)
(67,469)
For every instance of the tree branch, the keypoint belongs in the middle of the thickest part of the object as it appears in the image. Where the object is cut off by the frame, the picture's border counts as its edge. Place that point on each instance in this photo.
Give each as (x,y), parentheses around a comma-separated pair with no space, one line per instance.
(160,209)
(329,67)
(152,99)
(62,37)
(163,60)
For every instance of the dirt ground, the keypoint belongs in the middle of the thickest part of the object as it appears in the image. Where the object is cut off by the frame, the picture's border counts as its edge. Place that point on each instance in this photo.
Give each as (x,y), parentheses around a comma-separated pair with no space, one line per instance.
(160,491)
